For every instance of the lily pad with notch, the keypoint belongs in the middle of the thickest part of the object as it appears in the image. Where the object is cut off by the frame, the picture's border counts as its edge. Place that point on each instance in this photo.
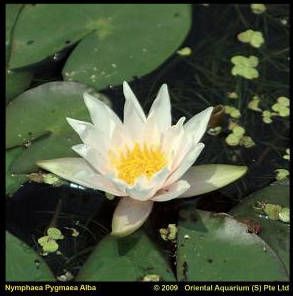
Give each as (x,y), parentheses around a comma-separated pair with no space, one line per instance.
(37,120)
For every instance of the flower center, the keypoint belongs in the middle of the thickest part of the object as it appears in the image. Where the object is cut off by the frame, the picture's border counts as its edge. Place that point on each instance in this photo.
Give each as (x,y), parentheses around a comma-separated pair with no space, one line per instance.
(139,161)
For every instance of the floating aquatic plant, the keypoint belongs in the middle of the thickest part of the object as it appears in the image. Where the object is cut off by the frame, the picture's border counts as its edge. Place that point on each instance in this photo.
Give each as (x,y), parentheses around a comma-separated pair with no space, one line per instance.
(284,215)
(215,131)
(258,8)
(274,212)
(287,155)
(49,242)
(142,160)
(232,95)
(282,106)
(281,174)
(254,104)
(267,116)
(232,111)
(254,38)
(238,137)
(169,233)
(186,51)
(245,67)
(247,142)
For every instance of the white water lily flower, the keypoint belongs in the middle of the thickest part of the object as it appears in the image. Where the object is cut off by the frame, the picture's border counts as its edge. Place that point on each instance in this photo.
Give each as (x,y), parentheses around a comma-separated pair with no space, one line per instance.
(142,159)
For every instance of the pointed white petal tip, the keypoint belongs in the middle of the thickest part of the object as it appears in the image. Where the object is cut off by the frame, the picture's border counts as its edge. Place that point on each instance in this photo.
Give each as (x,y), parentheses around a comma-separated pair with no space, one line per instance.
(88,96)
(164,86)
(129,216)
(210,109)
(125,83)
(91,101)
(71,121)
(44,164)
(164,90)
(126,88)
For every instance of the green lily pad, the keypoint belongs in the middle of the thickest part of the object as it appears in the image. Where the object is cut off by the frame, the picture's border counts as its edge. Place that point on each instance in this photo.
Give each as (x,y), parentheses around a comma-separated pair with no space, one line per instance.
(23,264)
(12,12)
(216,247)
(65,24)
(275,233)
(37,120)
(123,49)
(127,259)
(12,181)
(118,41)
(16,83)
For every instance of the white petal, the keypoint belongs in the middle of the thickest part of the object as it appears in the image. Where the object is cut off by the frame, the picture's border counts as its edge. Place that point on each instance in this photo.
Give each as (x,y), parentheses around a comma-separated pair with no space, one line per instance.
(161,109)
(184,145)
(94,157)
(120,138)
(172,139)
(158,179)
(140,190)
(132,103)
(209,177)
(187,162)
(90,135)
(172,191)
(144,189)
(130,215)
(120,184)
(77,170)
(197,125)
(102,116)
(151,133)
(180,121)
(134,117)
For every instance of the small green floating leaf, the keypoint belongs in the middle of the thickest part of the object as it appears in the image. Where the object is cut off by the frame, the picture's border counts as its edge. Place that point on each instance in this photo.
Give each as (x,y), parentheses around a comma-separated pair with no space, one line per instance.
(281,174)
(284,215)
(185,52)
(54,233)
(43,240)
(23,264)
(255,38)
(258,8)
(51,246)
(274,233)
(128,259)
(272,211)
(37,119)
(245,67)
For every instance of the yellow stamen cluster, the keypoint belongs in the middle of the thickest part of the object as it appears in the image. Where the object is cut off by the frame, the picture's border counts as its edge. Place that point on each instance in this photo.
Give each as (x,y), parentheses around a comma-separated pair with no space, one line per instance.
(141,160)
